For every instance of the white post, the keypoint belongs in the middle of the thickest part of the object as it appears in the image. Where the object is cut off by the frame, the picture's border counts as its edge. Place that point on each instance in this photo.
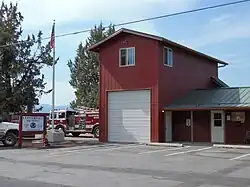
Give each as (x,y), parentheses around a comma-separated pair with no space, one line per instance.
(53,81)
(192,125)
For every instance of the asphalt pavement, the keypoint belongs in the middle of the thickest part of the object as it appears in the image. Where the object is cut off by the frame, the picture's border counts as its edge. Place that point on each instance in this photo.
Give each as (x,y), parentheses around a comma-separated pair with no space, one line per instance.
(10,182)
(114,165)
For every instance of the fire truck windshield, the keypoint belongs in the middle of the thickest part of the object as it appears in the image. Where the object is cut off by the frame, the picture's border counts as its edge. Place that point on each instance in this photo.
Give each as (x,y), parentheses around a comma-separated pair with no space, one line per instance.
(61,115)
(50,116)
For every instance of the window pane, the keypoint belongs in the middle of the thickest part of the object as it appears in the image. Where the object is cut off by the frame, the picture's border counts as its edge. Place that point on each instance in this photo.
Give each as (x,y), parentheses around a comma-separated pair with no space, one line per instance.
(61,115)
(165,56)
(217,116)
(217,123)
(170,57)
(131,56)
(54,116)
(123,54)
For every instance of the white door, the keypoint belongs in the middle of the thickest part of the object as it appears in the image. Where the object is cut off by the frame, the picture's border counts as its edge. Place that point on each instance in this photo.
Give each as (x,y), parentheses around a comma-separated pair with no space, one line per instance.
(168,126)
(217,126)
(129,116)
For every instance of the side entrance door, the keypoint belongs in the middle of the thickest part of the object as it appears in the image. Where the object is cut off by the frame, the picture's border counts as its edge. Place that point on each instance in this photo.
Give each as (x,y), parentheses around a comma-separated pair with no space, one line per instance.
(217,126)
(168,126)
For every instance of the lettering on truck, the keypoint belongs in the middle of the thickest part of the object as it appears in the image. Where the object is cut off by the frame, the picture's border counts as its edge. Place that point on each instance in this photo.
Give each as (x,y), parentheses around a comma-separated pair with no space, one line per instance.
(91,120)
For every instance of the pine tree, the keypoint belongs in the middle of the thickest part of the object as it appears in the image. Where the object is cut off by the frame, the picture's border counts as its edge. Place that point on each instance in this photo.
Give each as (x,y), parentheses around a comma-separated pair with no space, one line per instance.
(85,69)
(21,61)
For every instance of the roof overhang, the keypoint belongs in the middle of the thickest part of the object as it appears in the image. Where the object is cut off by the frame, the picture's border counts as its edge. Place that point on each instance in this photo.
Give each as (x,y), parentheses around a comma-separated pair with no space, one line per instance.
(224,98)
(219,82)
(96,47)
(206,108)
(122,30)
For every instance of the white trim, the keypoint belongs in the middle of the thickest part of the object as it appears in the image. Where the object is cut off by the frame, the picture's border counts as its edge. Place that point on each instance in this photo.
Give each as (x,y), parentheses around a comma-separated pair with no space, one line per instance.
(192,125)
(127,65)
(222,123)
(126,31)
(168,65)
(137,128)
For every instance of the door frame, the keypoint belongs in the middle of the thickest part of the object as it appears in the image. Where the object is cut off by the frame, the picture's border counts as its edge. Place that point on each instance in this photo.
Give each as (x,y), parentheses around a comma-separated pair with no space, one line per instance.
(107,120)
(168,126)
(222,112)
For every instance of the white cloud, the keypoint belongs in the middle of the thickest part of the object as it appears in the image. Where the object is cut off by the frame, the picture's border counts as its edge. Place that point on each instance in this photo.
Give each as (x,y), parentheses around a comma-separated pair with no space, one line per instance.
(38,13)
(221,29)
(221,18)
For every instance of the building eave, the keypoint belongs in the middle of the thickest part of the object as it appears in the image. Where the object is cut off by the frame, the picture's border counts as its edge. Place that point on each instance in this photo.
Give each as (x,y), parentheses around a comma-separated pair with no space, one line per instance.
(194,52)
(206,108)
(95,47)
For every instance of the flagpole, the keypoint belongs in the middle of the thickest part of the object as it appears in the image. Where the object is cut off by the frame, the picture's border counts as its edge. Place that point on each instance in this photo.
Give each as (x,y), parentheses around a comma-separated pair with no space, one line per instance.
(53,80)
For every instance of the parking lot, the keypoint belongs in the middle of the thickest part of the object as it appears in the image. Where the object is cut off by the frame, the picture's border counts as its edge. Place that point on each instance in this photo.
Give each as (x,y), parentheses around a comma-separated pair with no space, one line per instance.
(127,165)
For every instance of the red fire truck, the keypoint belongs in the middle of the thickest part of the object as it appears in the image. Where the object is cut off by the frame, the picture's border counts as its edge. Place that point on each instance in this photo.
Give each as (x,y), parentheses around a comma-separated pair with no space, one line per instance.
(76,123)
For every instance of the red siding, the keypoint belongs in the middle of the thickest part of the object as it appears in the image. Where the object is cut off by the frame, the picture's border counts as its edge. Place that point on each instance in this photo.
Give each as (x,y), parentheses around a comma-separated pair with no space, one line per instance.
(189,71)
(235,132)
(181,132)
(202,126)
(142,75)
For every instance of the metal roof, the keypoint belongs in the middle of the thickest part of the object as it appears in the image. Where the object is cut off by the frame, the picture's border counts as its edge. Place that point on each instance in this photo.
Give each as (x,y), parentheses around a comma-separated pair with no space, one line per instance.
(95,47)
(226,97)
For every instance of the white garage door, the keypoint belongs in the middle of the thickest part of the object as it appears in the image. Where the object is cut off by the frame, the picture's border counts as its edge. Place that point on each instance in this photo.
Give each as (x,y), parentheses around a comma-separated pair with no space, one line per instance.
(129,116)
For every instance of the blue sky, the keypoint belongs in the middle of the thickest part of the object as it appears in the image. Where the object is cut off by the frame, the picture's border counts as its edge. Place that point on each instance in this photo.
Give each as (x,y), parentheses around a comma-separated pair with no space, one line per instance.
(223,33)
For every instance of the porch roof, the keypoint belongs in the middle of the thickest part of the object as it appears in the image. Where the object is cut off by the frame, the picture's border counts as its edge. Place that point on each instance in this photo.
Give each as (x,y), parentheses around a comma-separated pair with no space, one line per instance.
(219,98)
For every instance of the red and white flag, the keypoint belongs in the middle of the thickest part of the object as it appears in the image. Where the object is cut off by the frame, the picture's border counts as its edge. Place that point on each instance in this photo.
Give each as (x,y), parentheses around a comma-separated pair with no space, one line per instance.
(52,37)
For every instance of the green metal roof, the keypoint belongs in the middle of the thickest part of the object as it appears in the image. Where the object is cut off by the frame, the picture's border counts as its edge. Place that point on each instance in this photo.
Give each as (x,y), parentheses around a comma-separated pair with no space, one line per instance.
(213,98)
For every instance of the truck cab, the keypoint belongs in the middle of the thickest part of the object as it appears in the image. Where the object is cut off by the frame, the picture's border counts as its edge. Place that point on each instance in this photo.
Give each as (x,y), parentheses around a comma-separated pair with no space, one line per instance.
(8,133)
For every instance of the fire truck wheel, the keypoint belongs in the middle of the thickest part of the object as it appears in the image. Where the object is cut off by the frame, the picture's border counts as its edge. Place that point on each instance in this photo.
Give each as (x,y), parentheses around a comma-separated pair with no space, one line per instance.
(96,132)
(76,134)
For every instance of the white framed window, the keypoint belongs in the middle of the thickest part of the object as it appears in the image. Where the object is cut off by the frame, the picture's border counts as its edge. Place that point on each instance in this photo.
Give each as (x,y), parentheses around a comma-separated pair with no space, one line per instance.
(168,57)
(217,117)
(127,56)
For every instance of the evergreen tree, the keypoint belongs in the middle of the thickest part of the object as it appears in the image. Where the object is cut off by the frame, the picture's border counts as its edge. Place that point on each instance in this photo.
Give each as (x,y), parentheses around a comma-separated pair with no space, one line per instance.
(85,69)
(21,61)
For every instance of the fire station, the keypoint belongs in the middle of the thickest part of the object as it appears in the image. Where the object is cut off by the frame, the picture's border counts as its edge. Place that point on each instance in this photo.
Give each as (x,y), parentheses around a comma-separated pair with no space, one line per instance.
(156,90)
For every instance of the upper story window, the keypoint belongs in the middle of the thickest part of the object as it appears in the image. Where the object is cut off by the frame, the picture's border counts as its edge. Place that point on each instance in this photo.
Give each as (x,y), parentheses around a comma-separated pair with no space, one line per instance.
(127,56)
(168,57)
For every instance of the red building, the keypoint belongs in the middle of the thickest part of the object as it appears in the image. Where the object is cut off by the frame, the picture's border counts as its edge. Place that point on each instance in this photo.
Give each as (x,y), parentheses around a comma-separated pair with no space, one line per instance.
(141,75)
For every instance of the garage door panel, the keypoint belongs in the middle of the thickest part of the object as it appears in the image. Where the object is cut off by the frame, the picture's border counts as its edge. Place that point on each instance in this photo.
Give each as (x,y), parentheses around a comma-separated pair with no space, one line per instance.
(129,116)
(130,127)
(131,95)
(136,100)
(128,106)
(132,123)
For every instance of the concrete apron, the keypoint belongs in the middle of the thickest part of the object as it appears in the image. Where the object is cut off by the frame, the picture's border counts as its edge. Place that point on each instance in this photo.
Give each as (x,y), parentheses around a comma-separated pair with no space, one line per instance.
(165,144)
(182,144)
(231,146)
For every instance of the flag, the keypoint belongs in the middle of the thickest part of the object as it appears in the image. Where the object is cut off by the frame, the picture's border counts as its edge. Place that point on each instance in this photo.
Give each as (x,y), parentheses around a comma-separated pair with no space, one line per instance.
(52,37)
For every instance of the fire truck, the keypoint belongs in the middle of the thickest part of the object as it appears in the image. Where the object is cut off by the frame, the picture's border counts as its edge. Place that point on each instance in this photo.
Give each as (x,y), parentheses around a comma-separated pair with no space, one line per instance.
(76,122)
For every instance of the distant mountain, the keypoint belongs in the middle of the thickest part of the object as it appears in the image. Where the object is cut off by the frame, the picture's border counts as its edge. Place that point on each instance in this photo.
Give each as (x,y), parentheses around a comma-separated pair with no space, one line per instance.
(47,107)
